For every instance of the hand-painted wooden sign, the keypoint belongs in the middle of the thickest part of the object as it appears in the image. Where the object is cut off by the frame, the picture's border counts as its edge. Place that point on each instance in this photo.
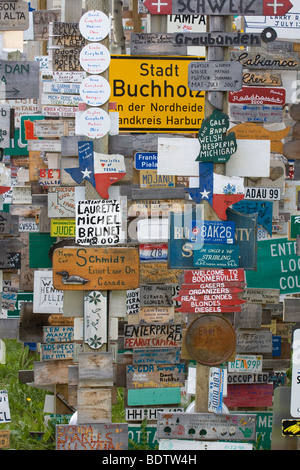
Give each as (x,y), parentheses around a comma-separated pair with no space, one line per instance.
(257,132)
(155,295)
(256,113)
(252,341)
(154,335)
(210,339)
(261,296)
(263,208)
(14,16)
(222,256)
(96,268)
(155,43)
(207,307)
(267,194)
(58,334)
(213,232)
(49,177)
(155,376)
(258,95)
(145,160)
(46,299)
(156,356)
(100,170)
(206,426)
(262,79)
(98,222)
(154,396)
(93,436)
(215,145)
(211,288)
(256,61)
(152,315)
(214,275)
(20,79)
(249,395)
(215,76)
(213,7)
(63,351)
(150,179)
(61,202)
(95,319)
(216,39)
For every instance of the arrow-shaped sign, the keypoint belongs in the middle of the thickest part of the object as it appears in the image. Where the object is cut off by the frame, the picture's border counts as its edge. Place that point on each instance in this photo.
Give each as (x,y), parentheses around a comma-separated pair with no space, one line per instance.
(219,7)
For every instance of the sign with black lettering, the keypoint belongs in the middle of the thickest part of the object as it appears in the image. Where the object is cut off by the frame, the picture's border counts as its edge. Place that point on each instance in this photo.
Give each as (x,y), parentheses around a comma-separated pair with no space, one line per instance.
(215,76)
(152,94)
(269,61)
(267,194)
(98,222)
(14,16)
(19,79)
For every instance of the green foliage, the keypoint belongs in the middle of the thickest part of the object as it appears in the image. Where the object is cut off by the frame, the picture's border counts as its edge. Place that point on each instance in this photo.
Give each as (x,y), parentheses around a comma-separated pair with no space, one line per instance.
(143,445)
(26,403)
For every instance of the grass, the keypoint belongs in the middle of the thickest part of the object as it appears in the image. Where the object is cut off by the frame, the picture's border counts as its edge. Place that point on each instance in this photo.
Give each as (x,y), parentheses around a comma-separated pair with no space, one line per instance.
(26,403)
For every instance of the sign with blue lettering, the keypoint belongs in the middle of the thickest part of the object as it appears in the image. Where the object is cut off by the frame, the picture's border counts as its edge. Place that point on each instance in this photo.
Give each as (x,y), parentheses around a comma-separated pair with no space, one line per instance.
(219,256)
(206,231)
(145,161)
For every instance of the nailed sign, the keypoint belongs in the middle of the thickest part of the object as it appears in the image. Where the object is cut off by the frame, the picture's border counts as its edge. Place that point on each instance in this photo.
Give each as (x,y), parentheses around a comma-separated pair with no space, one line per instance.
(155,335)
(256,61)
(155,376)
(258,95)
(215,76)
(215,145)
(14,16)
(221,256)
(96,268)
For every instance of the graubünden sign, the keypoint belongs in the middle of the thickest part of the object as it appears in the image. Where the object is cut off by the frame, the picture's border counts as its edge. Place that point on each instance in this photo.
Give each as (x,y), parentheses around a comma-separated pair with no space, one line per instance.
(152,94)
(96,268)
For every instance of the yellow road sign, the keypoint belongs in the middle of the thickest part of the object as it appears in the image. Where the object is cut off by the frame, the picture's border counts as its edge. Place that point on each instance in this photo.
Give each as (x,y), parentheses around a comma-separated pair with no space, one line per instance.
(152,94)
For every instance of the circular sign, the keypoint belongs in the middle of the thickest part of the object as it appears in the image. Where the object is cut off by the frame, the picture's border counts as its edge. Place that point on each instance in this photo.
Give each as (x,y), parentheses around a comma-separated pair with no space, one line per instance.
(94,58)
(95,90)
(94,25)
(94,123)
(210,340)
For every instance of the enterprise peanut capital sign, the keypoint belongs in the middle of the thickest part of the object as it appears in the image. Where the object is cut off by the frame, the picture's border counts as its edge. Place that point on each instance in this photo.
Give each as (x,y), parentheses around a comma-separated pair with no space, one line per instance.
(152,94)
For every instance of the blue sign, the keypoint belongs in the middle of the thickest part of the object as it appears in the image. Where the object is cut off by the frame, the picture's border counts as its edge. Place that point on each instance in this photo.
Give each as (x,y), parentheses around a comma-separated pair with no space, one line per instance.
(206,231)
(216,256)
(145,161)
(264,209)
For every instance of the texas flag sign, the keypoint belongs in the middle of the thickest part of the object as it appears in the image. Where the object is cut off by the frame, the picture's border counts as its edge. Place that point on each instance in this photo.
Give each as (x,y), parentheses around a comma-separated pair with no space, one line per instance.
(99,169)
(218,190)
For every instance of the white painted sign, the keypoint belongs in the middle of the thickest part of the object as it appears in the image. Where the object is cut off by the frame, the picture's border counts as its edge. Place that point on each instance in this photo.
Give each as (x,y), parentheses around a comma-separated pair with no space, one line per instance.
(94,123)
(98,222)
(217,389)
(94,58)
(94,25)
(286,27)
(252,159)
(95,319)
(46,299)
(61,202)
(295,383)
(4,407)
(176,156)
(95,90)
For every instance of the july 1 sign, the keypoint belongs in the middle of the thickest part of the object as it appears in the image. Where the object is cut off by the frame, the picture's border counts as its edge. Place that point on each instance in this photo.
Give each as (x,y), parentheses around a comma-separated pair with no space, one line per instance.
(278,266)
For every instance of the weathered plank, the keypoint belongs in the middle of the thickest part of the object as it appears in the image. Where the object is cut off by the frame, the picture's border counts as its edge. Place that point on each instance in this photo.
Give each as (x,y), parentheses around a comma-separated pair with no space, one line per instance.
(155,376)
(95,369)
(51,372)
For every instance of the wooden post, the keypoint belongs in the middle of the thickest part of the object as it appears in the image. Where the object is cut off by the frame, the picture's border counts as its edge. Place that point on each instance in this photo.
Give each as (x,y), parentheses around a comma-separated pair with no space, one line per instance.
(71,11)
(213,100)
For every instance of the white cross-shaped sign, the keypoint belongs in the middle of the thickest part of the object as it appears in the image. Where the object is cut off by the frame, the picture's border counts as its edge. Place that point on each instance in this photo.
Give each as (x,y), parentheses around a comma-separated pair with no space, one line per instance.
(275,5)
(159,4)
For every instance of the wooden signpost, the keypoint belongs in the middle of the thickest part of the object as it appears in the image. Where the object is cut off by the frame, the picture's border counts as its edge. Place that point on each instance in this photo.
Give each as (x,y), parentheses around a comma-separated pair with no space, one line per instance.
(95,436)
(96,268)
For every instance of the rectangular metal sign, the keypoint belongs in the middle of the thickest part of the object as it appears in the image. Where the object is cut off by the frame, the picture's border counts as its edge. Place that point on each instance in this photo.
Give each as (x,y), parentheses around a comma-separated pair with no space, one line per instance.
(206,231)
(152,94)
(215,76)
(205,426)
